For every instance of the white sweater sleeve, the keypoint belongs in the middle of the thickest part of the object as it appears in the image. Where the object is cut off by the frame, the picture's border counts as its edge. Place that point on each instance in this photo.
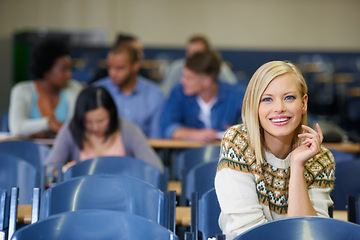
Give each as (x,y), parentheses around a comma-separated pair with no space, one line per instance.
(240,207)
(19,109)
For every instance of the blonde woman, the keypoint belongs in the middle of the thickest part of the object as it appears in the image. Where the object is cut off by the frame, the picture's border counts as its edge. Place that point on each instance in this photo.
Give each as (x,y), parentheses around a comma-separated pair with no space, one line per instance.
(273,165)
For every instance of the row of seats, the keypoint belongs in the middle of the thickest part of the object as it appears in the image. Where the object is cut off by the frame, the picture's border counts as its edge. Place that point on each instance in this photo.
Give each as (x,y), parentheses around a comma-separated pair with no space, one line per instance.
(197,172)
(28,162)
(28,177)
(125,194)
(105,192)
(88,223)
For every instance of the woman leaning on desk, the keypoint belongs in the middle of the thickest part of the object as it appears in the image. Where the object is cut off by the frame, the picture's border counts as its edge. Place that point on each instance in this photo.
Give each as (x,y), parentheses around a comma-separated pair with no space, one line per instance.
(273,165)
(39,107)
(95,130)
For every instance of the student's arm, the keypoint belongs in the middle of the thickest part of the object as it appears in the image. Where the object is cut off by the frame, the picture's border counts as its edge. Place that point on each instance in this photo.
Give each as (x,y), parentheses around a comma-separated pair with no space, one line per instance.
(19,111)
(63,148)
(171,117)
(155,130)
(173,120)
(236,191)
(204,134)
(299,200)
(136,145)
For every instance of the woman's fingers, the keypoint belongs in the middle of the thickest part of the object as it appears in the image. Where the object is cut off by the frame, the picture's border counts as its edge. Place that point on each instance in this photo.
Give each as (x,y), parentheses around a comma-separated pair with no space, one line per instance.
(319,132)
(313,139)
(311,132)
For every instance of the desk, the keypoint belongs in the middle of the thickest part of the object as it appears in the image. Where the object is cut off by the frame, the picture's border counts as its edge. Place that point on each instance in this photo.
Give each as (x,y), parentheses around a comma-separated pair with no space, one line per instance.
(155,143)
(181,144)
(175,186)
(24,213)
(345,147)
(44,141)
(183,216)
(178,144)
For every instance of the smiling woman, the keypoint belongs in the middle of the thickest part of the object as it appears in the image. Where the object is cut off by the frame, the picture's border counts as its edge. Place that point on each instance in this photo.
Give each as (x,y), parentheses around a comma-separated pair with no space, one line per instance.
(275,162)
(281,110)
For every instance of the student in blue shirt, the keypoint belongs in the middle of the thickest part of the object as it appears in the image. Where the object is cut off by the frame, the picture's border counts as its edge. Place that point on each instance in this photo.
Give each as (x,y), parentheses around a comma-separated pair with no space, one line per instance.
(137,99)
(201,107)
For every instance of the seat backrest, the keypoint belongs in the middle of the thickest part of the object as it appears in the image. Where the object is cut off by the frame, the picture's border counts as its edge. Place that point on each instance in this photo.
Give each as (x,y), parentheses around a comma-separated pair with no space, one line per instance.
(116,165)
(341,156)
(4,121)
(188,159)
(200,179)
(347,182)
(303,228)
(94,225)
(121,193)
(209,211)
(16,172)
(34,153)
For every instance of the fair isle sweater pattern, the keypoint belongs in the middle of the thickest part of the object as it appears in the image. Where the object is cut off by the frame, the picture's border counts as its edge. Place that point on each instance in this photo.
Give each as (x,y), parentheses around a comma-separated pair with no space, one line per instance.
(271,182)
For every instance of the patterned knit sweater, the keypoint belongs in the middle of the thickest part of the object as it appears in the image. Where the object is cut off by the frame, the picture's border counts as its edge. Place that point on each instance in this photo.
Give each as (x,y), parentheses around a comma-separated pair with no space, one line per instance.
(250,194)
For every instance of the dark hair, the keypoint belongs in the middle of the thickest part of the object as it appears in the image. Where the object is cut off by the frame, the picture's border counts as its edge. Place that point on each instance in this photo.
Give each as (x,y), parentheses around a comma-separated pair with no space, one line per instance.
(127,48)
(44,55)
(206,62)
(123,38)
(200,38)
(89,99)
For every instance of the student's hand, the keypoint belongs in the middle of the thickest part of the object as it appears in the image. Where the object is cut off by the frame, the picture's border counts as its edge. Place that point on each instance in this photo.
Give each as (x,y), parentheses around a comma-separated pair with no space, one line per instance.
(68,165)
(309,148)
(207,135)
(54,125)
(46,134)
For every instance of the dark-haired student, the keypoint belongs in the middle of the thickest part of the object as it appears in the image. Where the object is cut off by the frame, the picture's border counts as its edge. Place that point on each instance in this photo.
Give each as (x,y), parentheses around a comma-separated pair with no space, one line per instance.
(95,130)
(201,107)
(138,99)
(39,107)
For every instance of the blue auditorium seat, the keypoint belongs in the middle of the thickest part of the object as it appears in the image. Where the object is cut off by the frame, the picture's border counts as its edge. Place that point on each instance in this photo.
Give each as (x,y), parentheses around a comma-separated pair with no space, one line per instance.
(110,192)
(303,228)
(116,165)
(205,215)
(94,225)
(16,172)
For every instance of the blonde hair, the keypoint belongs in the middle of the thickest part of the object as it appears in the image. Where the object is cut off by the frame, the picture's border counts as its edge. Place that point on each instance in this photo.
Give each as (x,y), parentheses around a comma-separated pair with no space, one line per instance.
(250,109)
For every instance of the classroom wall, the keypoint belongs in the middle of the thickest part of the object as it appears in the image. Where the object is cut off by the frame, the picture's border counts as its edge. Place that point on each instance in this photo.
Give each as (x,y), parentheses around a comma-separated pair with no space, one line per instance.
(240,24)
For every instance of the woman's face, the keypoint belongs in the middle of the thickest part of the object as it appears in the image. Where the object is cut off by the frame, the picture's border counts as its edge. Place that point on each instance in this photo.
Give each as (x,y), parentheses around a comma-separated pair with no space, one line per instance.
(60,73)
(281,107)
(97,122)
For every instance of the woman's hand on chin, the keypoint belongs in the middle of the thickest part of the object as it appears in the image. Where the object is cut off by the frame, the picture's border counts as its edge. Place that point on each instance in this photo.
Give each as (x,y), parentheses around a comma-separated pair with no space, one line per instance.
(309,147)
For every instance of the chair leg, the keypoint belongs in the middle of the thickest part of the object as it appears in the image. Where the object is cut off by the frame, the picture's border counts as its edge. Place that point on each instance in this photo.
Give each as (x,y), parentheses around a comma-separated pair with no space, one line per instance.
(194,225)
(60,175)
(351,209)
(331,211)
(42,178)
(183,188)
(35,205)
(220,237)
(189,236)
(14,196)
(165,179)
(172,210)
